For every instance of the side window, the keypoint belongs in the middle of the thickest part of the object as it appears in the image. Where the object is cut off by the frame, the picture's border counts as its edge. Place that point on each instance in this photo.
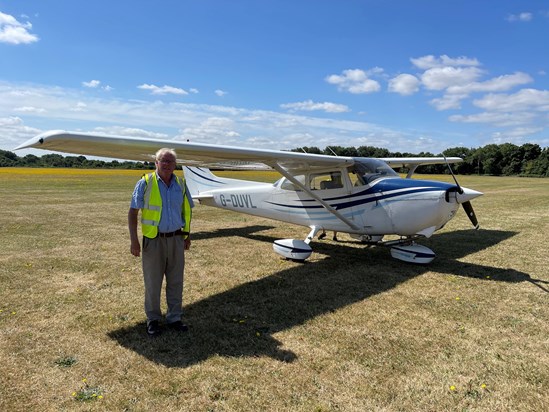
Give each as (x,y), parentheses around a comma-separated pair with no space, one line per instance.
(355,179)
(324,181)
(287,185)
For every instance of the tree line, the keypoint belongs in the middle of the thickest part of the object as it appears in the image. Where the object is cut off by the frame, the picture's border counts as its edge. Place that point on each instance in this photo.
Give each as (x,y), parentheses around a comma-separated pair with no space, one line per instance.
(10,159)
(496,160)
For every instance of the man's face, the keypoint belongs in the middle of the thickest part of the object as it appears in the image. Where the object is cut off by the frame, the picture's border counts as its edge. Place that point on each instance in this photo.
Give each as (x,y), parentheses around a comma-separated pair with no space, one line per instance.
(165,164)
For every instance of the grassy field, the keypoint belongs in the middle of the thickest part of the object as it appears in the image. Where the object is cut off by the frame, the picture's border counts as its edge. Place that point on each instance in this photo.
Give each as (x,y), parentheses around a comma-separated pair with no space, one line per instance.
(350,330)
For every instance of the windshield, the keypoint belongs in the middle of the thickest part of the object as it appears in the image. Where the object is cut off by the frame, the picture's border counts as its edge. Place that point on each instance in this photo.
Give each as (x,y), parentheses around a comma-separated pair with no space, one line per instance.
(369,170)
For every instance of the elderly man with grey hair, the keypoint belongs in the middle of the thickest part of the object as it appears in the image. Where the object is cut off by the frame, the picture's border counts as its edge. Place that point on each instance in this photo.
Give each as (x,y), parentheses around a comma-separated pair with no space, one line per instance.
(166,211)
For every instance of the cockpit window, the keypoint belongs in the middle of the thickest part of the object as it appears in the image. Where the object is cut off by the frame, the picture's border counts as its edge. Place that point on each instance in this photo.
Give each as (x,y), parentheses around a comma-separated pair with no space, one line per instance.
(368,170)
(287,185)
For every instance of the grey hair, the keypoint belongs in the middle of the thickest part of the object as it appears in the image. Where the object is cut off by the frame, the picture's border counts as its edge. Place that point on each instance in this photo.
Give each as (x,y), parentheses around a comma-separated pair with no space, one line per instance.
(163,151)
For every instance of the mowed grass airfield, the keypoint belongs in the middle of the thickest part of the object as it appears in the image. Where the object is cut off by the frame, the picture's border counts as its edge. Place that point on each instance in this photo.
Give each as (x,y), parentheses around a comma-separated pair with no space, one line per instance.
(351,329)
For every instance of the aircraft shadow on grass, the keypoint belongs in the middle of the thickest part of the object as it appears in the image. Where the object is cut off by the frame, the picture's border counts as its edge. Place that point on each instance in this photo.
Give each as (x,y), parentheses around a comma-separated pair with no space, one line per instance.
(241,321)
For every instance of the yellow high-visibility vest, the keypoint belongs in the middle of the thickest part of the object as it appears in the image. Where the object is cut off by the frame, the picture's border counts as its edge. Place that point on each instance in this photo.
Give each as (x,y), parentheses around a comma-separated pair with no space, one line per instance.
(152,208)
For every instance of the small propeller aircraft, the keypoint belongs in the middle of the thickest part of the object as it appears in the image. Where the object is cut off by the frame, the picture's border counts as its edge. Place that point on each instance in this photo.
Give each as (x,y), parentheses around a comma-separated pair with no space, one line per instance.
(363,197)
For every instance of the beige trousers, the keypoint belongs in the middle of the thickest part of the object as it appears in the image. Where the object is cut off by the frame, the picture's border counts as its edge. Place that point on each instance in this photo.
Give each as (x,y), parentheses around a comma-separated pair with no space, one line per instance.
(163,257)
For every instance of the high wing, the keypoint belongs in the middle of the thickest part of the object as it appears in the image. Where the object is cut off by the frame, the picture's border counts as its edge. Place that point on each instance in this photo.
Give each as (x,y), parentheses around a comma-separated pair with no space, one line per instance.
(417,161)
(192,154)
(199,154)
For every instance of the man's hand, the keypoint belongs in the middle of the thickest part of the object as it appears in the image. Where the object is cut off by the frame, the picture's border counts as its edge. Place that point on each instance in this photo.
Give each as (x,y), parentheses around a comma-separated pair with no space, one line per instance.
(135,248)
(187,243)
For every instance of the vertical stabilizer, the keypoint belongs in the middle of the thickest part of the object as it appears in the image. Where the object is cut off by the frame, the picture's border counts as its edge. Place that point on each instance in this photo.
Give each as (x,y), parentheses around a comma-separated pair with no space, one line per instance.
(201,180)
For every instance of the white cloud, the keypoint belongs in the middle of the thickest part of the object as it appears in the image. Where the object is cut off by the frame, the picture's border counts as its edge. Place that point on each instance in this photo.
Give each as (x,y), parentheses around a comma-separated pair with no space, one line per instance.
(404,84)
(14,132)
(455,94)
(216,130)
(519,132)
(157,90)
(519,136)
(130,131)
(10,121)
(309,106)
(355,81)
(220,93)
(94,84)
(523,100)
(14,32)
(496,119)
(79,107)
(440,78)
(448,101)
(430,62)
(29,109)
(91,84)
(522,17)
(496,84)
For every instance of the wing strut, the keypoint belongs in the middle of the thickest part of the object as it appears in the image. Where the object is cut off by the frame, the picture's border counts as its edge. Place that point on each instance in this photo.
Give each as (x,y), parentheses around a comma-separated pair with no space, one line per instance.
(329,208)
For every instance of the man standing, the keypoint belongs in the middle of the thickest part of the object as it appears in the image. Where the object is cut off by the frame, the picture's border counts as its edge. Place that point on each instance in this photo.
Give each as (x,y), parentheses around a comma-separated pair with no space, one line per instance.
(166,214)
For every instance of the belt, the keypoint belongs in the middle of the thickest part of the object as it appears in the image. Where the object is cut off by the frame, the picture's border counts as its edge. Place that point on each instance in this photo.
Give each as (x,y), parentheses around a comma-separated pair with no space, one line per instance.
(170,234)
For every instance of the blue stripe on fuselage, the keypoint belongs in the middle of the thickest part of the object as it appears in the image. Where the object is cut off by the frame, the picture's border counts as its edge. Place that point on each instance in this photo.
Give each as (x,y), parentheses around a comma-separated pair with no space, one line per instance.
(382,189)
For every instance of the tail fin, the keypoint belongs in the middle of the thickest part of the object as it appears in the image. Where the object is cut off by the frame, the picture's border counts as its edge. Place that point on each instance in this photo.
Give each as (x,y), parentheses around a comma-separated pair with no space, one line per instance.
(201,180)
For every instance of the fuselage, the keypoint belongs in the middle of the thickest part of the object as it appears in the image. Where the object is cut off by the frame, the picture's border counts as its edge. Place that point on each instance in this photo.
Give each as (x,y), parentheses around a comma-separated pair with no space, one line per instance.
(385,205)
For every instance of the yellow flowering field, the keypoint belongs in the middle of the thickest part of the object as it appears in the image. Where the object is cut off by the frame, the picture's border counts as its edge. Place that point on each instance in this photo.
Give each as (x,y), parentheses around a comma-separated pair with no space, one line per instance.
(350,330)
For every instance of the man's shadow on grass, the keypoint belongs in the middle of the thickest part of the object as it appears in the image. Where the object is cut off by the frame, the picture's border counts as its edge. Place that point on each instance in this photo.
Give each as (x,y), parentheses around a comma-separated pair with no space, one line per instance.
(242,321)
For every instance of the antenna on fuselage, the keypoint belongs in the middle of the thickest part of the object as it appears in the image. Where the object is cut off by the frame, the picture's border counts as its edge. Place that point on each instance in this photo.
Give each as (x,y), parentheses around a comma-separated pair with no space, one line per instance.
(460,190)
(330,149)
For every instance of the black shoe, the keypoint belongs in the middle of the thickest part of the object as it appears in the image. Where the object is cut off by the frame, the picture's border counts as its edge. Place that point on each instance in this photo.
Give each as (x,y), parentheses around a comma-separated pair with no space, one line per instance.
(178,326)
(321,236)
(153,329)
(335,238)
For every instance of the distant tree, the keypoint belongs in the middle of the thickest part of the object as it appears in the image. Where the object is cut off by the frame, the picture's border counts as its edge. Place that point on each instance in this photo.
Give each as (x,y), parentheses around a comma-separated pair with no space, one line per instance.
(467,166)
(341,151)
(371,151)
(530,153)
(53,160)
(304,149)
(511,159)
(540,166)
(491,160)
(30,160)
(8,159)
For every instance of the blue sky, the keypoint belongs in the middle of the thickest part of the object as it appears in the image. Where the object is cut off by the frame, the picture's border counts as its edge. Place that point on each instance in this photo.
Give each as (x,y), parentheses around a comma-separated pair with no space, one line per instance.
(410,76)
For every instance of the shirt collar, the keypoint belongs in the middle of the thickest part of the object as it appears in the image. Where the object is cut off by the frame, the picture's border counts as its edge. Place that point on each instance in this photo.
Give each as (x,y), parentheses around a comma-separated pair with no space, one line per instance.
(168,184)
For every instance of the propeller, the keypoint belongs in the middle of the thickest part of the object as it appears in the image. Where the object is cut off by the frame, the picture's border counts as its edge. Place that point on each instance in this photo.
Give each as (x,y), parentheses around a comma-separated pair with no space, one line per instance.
(467,206)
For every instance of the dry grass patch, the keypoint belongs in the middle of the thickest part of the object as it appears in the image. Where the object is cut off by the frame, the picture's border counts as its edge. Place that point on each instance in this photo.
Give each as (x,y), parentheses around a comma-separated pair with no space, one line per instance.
(351,329)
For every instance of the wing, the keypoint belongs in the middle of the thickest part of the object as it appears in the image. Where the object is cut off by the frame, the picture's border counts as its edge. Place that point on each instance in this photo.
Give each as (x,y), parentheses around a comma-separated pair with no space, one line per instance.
(412,163)
(417,161)
(193,154)
(199,154)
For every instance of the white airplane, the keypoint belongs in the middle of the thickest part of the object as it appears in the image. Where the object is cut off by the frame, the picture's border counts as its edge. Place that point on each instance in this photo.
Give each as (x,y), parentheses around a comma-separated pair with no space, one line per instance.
(363,197)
